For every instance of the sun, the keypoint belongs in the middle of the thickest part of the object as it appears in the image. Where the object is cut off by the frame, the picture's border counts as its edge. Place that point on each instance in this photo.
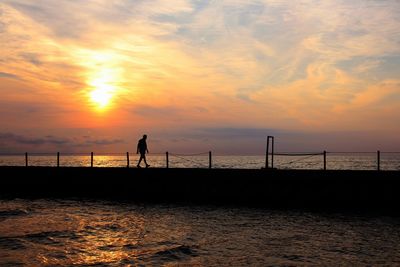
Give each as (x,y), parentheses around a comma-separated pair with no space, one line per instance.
(105,79)
(101,97)
(103,88)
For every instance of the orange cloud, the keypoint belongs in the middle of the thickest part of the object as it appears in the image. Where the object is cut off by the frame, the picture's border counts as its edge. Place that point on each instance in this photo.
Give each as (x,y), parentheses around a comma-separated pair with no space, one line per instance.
(233,63)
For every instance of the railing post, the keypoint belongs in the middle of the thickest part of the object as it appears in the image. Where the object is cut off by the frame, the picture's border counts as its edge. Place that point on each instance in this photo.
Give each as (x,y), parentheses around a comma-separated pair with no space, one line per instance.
(269,137)
(58,159)
(127,159)
(167,159)
(91,159)
(266,153)
(324,160)
(26,159)
(209,160)
(272,152)
(378,160)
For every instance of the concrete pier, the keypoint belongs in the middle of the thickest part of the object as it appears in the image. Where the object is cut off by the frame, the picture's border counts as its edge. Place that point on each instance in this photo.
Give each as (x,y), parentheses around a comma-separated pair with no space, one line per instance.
(315,189)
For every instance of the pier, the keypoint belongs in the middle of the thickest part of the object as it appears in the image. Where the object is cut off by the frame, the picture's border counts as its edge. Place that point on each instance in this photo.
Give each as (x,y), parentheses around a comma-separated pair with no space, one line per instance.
(271,188)
(374,190)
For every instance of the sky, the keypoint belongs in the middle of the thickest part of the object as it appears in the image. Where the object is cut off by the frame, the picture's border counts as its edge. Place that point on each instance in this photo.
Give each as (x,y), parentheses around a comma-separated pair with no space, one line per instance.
(79,76)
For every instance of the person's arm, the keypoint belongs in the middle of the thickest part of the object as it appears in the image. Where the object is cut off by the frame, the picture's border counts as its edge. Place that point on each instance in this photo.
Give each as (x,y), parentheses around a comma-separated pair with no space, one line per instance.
(137,149)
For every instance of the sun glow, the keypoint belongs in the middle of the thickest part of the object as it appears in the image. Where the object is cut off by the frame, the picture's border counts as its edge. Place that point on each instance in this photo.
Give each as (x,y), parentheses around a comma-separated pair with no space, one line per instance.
(104,77)
(101,97)
(103,88)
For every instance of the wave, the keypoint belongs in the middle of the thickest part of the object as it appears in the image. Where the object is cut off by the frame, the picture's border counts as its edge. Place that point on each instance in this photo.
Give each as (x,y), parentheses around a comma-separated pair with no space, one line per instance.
(50,238)
(10,243)
(5,214)
(180,252)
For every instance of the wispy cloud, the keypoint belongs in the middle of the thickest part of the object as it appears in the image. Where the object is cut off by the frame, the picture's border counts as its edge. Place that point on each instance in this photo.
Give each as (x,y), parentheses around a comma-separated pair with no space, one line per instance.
(8,75)
(324,65)
(10,137)
(14,142)
(150,112)
(367,65)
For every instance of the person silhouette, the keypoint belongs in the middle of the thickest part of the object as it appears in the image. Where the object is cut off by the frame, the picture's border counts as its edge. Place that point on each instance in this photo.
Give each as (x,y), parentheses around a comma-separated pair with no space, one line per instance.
(142,148)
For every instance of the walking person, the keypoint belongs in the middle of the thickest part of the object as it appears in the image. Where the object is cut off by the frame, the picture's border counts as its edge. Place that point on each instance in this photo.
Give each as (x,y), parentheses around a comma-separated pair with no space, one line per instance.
(142,148)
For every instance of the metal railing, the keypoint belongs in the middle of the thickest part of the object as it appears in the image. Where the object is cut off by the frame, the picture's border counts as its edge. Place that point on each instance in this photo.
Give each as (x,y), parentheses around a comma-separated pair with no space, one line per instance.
(324,160)
(200,160)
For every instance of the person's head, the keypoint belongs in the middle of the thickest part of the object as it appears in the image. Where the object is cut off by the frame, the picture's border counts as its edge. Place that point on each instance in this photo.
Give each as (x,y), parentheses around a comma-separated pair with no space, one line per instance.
(144,136)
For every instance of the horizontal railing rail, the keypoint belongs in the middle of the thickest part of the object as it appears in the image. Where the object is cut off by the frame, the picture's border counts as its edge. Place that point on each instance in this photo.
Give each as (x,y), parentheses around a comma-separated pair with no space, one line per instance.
(298,153)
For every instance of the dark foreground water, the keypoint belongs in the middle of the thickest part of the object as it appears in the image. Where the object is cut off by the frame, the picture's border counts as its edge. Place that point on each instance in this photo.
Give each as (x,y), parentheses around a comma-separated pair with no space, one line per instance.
(100,233)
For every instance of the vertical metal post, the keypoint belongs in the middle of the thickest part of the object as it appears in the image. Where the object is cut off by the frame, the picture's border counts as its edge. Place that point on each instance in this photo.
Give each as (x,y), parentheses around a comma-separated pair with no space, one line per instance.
(58,159)
(266,153)
(167,159)
(127,159)
(91,159)
(209,160)
(324,160)
(379,160)
(26,159)
(272,152)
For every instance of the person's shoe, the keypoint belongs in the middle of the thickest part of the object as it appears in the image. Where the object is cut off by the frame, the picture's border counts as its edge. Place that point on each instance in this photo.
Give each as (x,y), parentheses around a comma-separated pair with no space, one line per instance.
(147,165)
(138,166)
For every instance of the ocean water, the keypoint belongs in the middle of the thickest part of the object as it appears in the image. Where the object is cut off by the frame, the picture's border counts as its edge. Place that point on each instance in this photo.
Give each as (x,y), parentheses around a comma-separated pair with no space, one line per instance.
(335,161)
(51,232)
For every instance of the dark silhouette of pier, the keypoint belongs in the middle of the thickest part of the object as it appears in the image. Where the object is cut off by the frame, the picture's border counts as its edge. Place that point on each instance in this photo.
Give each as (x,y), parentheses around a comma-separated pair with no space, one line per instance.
(311,189)
(322,189)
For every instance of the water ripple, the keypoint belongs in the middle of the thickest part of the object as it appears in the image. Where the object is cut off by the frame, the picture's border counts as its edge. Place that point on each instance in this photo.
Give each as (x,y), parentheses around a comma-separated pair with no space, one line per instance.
(100,233)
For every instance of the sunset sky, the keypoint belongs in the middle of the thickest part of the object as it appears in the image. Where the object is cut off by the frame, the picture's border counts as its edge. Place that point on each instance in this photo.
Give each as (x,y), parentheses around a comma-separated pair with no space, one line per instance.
(80,76)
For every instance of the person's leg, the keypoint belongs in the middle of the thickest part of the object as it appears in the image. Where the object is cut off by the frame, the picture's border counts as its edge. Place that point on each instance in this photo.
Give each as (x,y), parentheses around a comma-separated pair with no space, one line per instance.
(140,160)
(144,158)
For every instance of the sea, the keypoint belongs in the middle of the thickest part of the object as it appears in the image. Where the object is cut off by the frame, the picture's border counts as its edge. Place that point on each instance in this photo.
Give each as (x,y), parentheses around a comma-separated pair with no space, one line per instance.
(79,232)
(92,232)
(308,160)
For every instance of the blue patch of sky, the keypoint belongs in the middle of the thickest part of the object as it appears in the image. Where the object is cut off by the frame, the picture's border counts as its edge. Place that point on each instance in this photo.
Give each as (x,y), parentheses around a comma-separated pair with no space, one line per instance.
(276,33)
(242,16)
(181,18)
(234,17)
(187,31)
(388,67)
(350,64)
(65,24)
(392,63)
(199,5)
(120,13)
(204,37)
